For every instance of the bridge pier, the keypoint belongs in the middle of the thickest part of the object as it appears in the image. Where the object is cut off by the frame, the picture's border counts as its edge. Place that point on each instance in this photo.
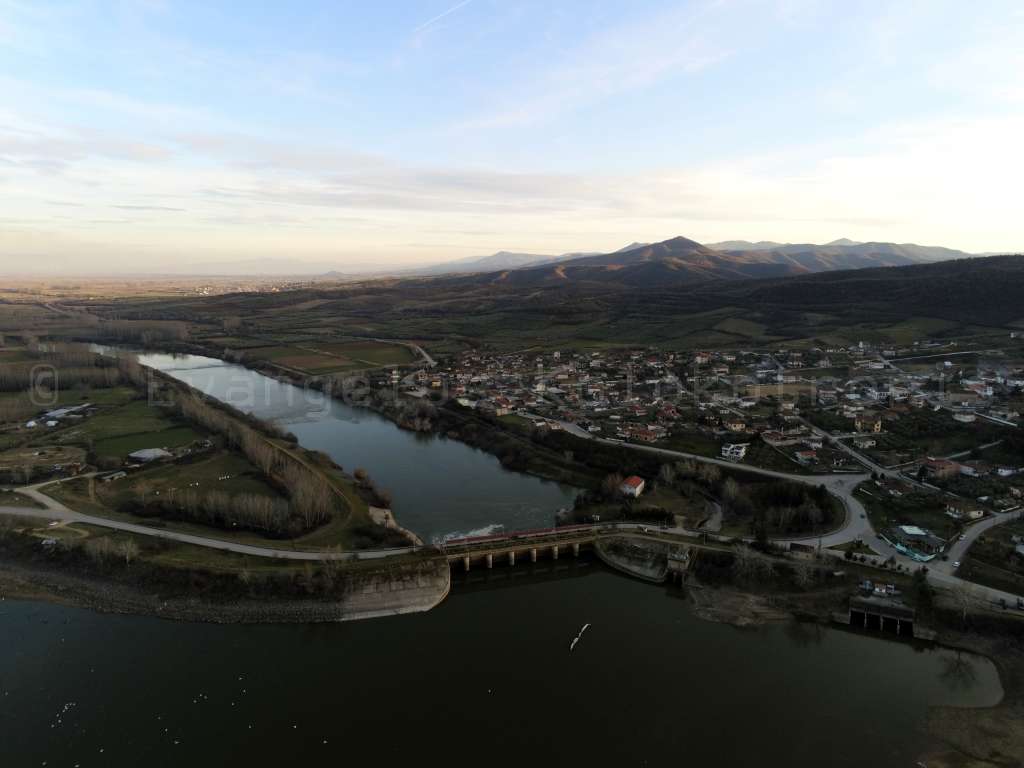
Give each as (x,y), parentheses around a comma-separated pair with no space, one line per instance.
(576,549)
(465,562)
(554,552)
(490,560)
(533,555)
(512,558)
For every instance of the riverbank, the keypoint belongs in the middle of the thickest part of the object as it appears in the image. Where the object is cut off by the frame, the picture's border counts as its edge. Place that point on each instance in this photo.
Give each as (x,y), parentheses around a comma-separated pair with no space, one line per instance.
(367,596)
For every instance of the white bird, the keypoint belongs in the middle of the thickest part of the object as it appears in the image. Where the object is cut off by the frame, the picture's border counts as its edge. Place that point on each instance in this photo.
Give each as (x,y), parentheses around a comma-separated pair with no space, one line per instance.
(576,639)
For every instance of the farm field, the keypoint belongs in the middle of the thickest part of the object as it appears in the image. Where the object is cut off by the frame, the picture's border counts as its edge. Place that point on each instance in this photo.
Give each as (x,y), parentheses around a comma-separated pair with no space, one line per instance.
(319,357)
(930,433)
(926,510)
(125,429)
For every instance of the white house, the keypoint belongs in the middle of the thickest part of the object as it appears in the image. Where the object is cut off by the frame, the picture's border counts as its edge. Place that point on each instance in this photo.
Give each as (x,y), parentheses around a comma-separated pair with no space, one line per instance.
(734,451)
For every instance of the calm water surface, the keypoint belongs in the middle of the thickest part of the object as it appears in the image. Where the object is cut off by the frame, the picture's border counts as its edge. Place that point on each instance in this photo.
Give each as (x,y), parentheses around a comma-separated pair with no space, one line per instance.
(486,678)
(440,486)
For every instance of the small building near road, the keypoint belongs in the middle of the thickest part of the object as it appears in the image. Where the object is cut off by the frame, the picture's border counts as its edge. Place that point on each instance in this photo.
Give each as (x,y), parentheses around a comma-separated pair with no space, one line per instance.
(632,486)
(941,468)
(915,542)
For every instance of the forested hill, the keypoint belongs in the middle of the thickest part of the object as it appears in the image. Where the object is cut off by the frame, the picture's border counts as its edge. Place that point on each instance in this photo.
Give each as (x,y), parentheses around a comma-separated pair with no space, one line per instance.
(988,291)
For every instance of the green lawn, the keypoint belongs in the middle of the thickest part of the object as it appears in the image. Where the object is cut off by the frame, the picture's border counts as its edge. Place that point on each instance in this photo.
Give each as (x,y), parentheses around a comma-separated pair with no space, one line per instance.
(133,418)
(203,475)
(373,352)
(693,442)
(104,396)
(123,445)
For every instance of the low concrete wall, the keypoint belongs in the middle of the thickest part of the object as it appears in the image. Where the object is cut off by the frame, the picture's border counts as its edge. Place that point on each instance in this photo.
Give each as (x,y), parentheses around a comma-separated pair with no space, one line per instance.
(415,591)
(641,559)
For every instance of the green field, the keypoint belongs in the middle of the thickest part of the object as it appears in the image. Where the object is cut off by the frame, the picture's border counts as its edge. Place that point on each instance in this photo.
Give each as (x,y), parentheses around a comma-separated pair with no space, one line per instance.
(932,433)
(132,418)
(120,447)
(372,352)
(318,357)
(201,475)
(102,396)
(920,508)
(741,327)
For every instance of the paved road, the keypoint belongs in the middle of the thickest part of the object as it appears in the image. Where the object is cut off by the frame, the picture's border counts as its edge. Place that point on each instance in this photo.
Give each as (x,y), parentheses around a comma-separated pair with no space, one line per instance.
(956,553)
(855,526)
(55,510)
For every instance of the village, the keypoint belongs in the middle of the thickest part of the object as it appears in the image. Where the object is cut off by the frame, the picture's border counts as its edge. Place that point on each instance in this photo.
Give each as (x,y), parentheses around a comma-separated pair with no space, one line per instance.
(936,424)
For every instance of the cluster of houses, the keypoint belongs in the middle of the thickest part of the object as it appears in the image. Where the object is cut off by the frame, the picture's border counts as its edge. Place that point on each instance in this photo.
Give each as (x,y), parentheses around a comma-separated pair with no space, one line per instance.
(941,469)
(734,397)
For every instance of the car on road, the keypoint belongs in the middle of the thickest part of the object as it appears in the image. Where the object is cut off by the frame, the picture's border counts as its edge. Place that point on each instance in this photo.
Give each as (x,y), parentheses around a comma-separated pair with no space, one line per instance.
(956,563)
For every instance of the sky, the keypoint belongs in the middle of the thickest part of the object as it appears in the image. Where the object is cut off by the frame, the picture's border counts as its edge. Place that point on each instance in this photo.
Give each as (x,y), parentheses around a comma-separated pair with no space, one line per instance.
(171,135)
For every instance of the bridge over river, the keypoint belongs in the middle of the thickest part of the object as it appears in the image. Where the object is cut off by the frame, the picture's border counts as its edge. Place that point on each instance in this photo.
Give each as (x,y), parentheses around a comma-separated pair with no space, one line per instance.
(532,544)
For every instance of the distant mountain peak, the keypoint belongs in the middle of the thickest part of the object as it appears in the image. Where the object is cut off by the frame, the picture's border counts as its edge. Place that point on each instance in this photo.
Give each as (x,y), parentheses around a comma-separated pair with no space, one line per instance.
(630,247)
(845,241)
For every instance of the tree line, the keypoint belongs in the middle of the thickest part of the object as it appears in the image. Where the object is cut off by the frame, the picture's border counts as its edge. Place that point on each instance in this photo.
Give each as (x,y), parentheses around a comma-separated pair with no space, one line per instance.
(312,498)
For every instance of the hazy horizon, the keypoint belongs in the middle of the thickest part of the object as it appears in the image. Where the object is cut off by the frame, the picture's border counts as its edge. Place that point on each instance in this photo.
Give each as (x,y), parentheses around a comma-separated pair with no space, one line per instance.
(149,137)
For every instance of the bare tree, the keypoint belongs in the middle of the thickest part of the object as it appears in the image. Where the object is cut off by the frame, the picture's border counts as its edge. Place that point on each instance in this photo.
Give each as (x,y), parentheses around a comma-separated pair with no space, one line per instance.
(805,574)
(709,474)
(610,484)
(667,474)
(130,550)
(142,489)
(964,598)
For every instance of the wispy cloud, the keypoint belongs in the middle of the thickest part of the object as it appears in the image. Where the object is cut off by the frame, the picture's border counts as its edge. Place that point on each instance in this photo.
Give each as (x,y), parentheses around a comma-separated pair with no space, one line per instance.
(619,58)
(163,208)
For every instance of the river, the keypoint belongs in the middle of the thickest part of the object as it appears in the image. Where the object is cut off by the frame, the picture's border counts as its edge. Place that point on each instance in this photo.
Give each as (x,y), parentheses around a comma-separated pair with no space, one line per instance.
(487,678)
(440,487)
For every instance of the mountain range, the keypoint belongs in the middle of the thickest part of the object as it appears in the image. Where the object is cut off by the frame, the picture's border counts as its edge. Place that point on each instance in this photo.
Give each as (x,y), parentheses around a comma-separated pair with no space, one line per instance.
(681,261)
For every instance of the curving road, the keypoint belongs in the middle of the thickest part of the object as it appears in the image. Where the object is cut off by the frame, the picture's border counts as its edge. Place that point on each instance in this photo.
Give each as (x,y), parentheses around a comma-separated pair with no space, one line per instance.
(55,510)
(841,485)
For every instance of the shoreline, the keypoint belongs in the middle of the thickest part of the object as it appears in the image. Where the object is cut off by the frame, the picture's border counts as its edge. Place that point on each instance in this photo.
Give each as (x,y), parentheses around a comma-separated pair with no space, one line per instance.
(373,596)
